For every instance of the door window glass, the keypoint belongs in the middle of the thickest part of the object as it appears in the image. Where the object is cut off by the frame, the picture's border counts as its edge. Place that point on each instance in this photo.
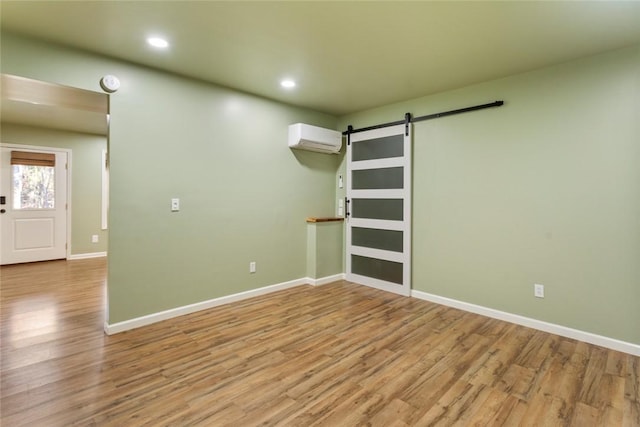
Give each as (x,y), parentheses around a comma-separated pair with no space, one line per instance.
(389,209)
(380,269)
(388,240)
(33,187)
(378,148)
(381,178)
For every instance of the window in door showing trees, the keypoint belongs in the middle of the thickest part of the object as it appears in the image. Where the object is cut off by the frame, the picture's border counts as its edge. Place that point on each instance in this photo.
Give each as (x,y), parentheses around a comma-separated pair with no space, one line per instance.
(33,187)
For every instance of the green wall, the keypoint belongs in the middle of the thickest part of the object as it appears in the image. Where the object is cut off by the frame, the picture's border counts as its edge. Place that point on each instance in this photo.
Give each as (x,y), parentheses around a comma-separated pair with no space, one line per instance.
(324,249)
(86,179)
(244,194)
(545,189)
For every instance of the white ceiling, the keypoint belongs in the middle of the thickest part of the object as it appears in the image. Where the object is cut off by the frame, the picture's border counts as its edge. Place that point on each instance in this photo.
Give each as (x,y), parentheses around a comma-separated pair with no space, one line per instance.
(345,55)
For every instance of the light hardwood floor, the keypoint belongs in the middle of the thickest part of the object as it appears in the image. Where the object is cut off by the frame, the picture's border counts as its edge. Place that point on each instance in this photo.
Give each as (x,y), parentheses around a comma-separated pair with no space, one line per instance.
(336,355)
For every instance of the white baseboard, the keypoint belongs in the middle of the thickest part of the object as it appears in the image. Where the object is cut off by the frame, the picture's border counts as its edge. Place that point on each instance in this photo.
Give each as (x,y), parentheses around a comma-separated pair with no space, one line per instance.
(87,255)
(111,329)
(564,331)
(325,280)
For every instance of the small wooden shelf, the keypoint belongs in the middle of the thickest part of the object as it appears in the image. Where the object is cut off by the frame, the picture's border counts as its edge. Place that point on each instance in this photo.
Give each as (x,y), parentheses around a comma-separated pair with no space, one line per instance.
(327,219)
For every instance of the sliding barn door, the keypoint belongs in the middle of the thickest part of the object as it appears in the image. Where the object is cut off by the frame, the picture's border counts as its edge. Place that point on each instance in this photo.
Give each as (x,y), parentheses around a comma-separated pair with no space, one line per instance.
(379,209)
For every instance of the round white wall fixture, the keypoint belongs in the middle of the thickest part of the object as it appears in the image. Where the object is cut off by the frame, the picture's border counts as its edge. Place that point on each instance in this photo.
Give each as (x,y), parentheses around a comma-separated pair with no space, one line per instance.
(110,83)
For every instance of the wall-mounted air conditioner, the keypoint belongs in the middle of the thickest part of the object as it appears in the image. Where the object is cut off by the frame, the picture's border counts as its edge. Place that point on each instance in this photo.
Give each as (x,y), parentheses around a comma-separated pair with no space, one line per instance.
(313,138)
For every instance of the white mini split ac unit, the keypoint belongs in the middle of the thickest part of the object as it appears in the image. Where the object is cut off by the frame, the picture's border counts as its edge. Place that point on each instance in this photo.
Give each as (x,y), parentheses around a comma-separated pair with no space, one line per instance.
(313,138)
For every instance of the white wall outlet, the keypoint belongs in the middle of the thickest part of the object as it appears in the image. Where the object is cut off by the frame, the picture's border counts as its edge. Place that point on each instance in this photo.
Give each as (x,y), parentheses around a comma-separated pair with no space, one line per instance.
(175,205)
(252,267)
(340,206)
(95,238)
(538,290)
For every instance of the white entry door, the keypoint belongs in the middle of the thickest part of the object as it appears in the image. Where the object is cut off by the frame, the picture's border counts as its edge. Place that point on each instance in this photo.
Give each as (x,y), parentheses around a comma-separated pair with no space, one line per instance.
(33,205)
(379,209)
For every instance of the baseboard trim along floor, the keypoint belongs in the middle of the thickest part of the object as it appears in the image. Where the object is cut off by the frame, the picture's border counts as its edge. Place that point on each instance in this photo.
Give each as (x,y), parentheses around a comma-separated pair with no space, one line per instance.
(552,328)
(564,331)
(87,255)
(204,305)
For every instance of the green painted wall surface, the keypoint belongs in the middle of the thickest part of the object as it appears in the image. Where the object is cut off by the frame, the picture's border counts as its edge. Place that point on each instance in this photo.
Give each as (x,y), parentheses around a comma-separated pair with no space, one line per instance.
(86,179)
(545,189)
(312,251)
(329,248)
(324,249)
(244,194)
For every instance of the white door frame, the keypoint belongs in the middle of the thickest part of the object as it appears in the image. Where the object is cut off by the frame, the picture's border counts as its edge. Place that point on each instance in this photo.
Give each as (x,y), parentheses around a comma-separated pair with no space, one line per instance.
(68,201)
(405,257)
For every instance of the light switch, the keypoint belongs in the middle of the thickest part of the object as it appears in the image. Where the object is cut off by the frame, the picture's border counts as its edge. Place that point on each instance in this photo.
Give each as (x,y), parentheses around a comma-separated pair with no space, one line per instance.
(175,205)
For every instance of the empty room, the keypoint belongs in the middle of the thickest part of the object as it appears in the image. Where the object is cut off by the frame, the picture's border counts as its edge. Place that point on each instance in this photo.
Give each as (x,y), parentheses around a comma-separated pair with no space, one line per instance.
(320,213)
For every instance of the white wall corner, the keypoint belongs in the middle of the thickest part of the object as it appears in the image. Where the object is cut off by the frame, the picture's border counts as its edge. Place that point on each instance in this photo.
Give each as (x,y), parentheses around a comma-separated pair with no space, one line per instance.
(611,343)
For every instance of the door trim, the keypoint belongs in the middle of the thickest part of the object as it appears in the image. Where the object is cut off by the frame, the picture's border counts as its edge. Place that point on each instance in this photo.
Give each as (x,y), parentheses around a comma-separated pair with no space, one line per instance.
(69,169)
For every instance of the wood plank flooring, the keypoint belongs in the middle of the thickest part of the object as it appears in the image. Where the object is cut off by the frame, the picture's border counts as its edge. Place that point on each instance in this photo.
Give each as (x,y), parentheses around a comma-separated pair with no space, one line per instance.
(336,355)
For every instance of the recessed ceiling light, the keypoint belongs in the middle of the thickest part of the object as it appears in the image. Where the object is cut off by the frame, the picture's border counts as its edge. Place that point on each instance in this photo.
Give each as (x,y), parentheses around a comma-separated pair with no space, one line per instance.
(288,84)
(158,42)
